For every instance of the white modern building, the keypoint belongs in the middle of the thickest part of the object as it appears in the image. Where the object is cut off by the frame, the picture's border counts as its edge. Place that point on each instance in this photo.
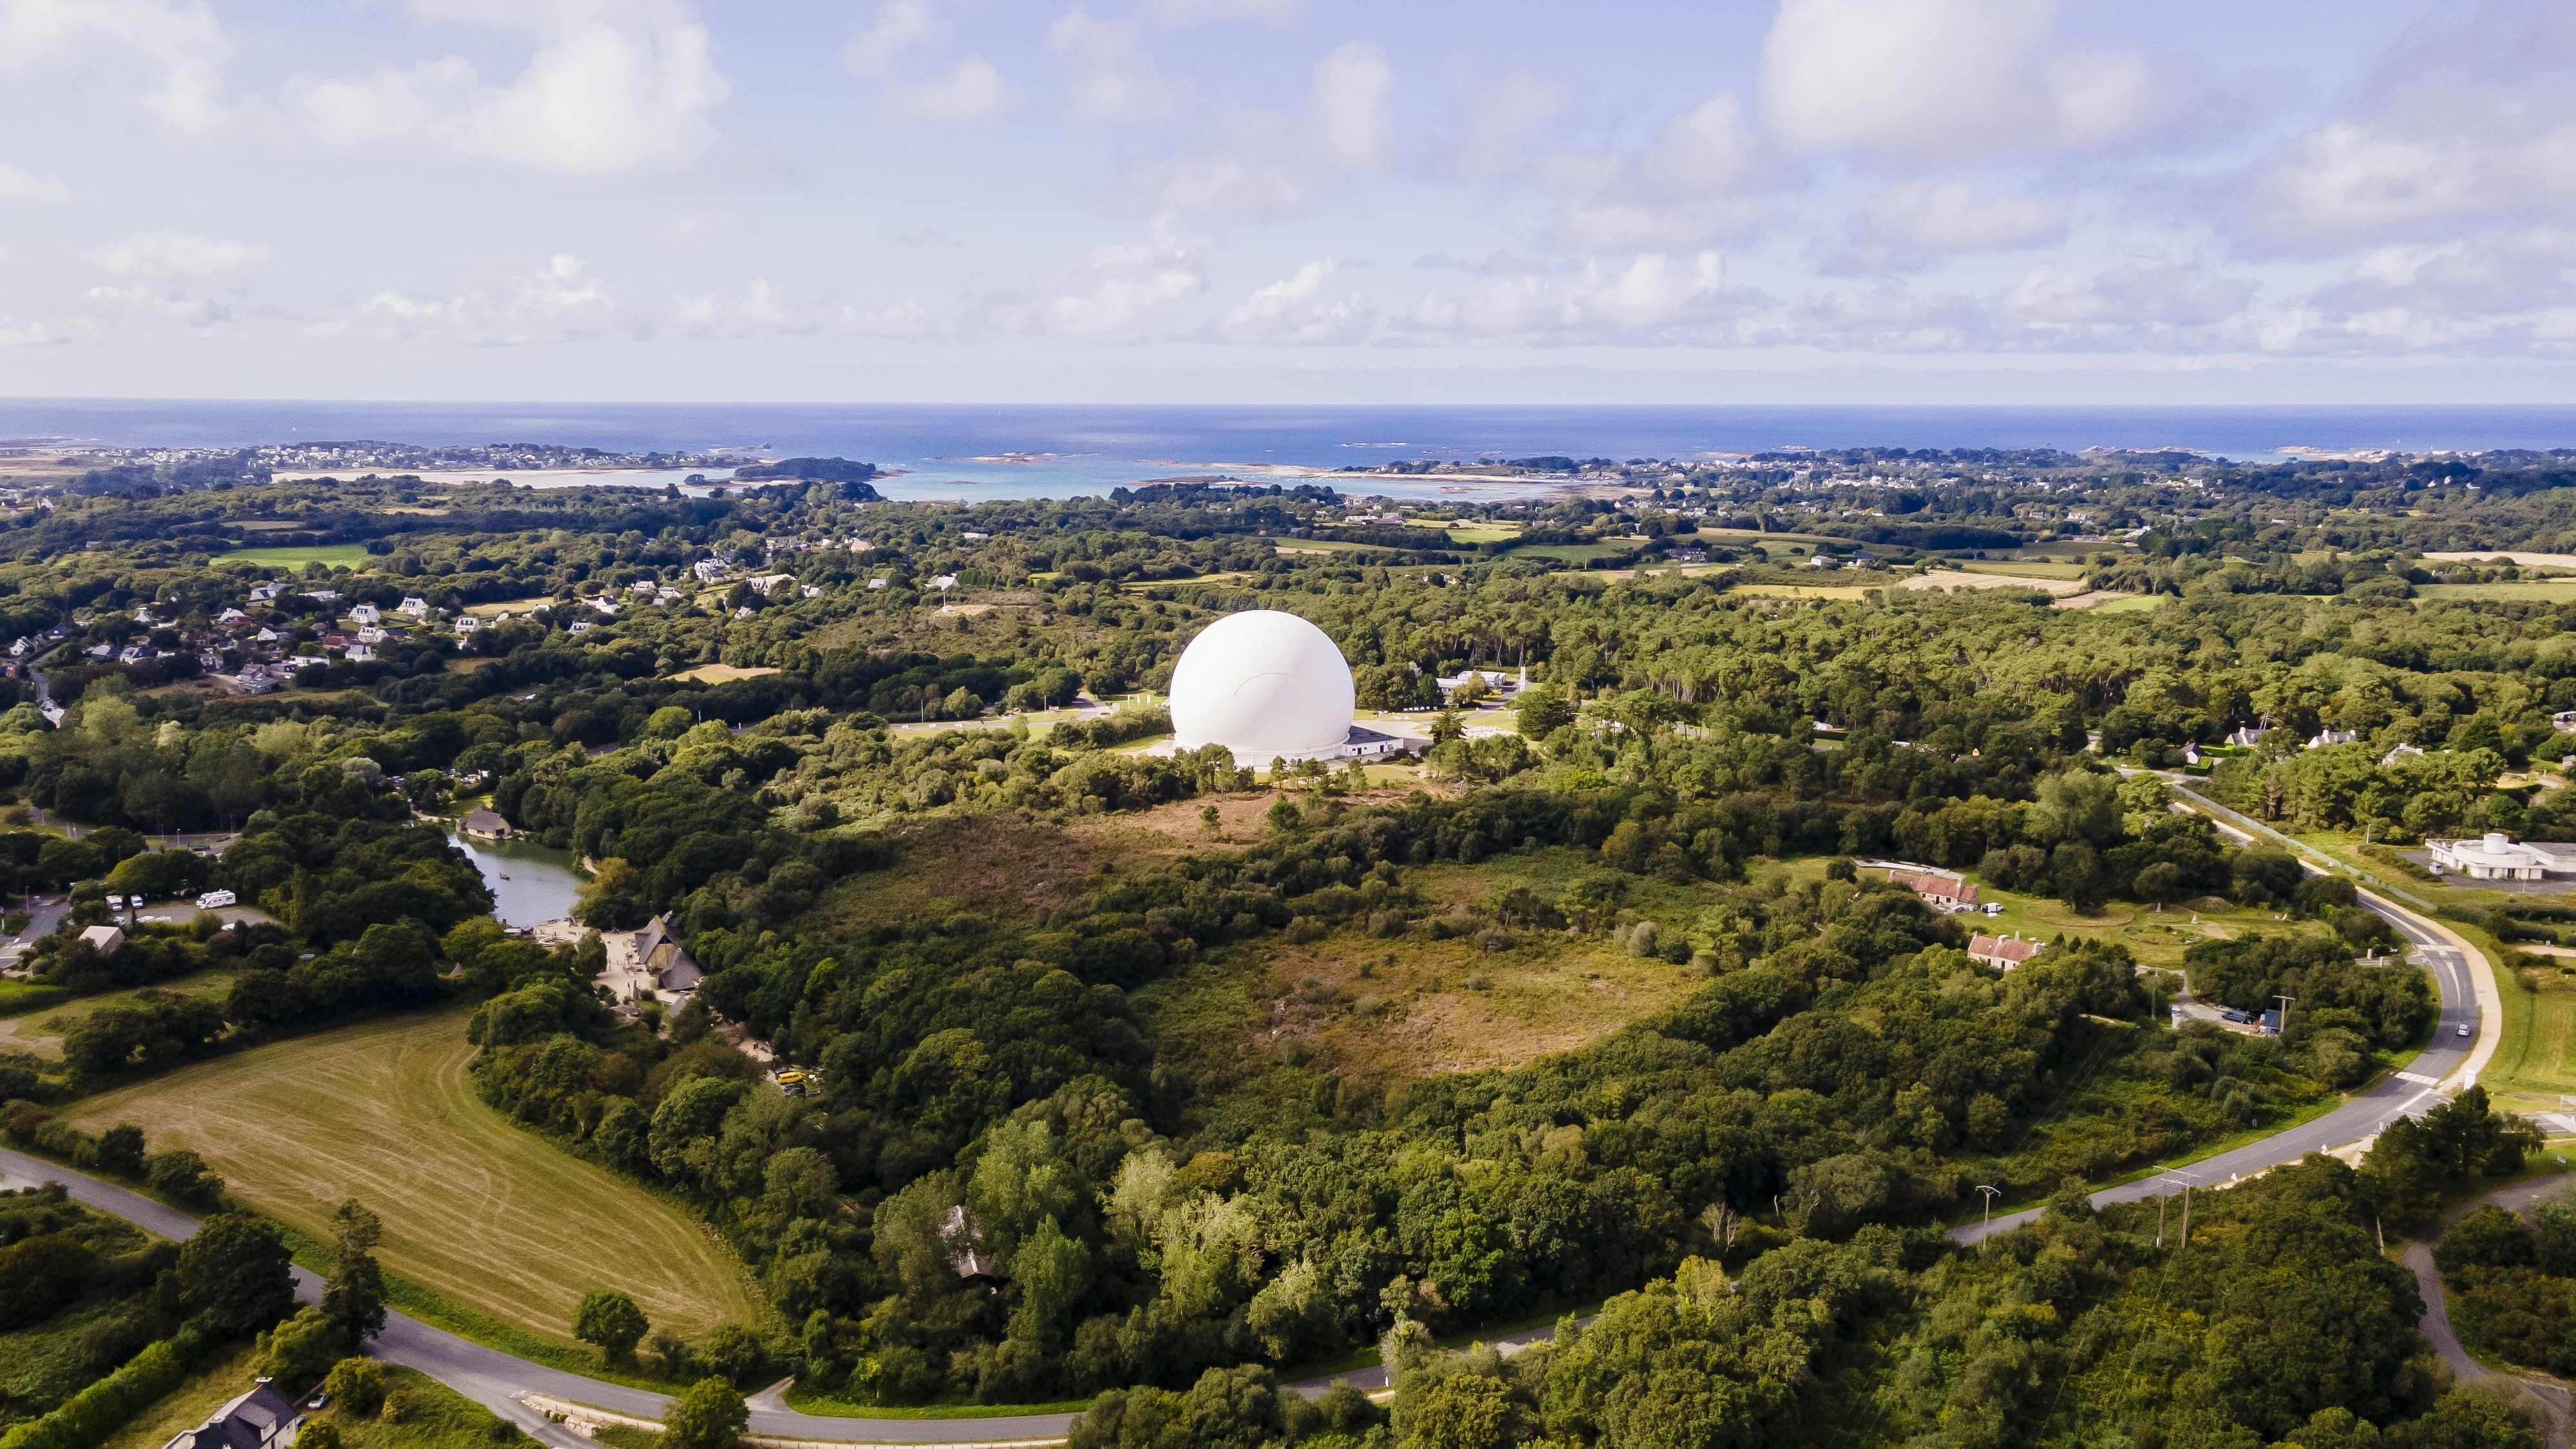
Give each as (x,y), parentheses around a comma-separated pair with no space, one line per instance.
(2497,856)
(1269,686)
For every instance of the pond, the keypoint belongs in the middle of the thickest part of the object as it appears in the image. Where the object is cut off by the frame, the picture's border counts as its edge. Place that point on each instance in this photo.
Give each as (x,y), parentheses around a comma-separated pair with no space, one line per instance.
(530,883)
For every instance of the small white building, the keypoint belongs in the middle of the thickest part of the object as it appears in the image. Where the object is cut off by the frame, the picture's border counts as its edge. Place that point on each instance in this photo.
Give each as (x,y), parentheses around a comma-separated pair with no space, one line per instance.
(413,605)
(2323,738)
(2245,737)
(2401,752)
(708,570)
(366,614)
(2497,856)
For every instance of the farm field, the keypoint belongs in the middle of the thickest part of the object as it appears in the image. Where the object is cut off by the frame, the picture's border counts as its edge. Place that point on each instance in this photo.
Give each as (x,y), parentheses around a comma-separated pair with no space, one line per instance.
(476,1210)
(2557,590)
(2125,604)
(1569,552)
(723,673)
(1805,591)
(333,555)
(41,1031)
(1990,578)
(2022,568)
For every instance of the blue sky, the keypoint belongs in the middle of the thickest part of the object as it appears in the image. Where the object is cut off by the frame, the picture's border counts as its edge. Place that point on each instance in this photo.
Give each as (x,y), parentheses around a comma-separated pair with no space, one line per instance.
(1288,200)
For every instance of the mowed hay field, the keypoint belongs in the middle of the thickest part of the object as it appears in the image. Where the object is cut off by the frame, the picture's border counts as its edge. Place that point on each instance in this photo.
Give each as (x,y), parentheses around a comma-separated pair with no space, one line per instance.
(476,1210)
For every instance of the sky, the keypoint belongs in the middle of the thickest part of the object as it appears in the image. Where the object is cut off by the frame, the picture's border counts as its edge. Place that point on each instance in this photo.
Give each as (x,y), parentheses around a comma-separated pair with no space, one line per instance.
(1939,201)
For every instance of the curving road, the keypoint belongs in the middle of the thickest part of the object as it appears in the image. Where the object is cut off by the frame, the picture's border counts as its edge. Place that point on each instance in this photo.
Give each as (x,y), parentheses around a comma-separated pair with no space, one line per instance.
(2448,1066)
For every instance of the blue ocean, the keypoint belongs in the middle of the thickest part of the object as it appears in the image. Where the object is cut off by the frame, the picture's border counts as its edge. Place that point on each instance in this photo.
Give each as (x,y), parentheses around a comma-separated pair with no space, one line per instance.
(965,453)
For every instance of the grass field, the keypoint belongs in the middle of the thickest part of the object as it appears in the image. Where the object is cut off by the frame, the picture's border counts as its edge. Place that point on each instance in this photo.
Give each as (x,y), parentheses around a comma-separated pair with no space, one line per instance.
(1805,591)
(17,998)
(42,1031)
(2555,590)
(1569,552)
(2021,568)
(475,1209)
(331,555)
(2133,604)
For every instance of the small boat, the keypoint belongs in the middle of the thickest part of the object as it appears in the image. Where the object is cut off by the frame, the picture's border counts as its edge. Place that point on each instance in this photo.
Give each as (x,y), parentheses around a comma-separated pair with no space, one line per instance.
(505,877)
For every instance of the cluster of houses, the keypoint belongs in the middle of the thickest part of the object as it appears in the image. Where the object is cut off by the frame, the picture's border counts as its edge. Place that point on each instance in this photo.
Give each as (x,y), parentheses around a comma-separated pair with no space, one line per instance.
(1955,894)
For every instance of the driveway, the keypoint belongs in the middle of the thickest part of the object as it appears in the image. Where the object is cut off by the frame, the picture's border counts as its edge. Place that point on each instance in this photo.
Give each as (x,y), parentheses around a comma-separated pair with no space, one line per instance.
(2436,1327)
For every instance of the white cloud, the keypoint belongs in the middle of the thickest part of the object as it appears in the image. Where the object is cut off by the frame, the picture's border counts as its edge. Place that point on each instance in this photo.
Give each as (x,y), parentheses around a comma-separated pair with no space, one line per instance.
(173,306)
(558,302)
(761,310)
(695,227)
(1703,177)
(178,45)
(177,255)
(971,92)
(1211,12)
(608,91)
(1226,185)
(1296,310)
(1933,79)
(899,25)
(1115,293)
(2464,123)
(28,188)
(1652,298)
(1916,221)
(2135,296)
(1351,87)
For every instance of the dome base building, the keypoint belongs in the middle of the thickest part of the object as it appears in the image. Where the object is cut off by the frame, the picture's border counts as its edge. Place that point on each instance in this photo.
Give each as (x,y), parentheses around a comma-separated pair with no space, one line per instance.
(1270,686)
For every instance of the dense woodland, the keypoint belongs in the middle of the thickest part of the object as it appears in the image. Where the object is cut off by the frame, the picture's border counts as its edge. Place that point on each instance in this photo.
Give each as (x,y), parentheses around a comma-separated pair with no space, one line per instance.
(1748,1184)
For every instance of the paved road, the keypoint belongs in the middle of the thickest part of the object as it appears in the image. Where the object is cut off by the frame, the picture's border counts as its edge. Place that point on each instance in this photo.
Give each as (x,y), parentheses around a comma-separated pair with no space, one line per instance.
(2408,1094)
(2436,1325)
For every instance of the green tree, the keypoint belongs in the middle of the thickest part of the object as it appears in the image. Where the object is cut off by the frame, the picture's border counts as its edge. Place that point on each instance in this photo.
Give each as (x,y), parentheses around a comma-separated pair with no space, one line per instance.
(1543,710)
(236,1275)
(611,1320)
(120,1151)
(354,1298)
(708,1414)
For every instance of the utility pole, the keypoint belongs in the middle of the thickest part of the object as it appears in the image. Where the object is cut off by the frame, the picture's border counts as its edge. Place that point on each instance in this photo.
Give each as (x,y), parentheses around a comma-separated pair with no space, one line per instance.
(2171,1176)
(2286,1002)
(1988,1227)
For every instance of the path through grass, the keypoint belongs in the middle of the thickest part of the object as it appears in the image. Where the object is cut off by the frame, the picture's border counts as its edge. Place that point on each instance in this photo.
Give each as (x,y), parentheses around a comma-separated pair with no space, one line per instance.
(476,1210)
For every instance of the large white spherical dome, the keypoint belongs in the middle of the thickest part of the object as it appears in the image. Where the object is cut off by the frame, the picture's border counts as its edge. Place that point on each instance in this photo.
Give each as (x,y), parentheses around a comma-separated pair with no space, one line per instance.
(1265,685)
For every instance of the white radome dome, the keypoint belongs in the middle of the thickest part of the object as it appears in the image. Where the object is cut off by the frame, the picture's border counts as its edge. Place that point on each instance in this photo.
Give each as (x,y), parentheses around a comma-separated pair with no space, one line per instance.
(1265,685)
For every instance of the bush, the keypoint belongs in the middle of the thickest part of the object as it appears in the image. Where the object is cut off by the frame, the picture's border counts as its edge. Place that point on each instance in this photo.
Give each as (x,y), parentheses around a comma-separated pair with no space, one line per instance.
(183,1177)
(104,1407)
(299,1351)
(357,1385)
(707,1415)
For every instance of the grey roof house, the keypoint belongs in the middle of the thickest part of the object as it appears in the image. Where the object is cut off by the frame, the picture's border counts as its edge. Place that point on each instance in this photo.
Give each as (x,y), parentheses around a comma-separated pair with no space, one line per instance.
(260,1419)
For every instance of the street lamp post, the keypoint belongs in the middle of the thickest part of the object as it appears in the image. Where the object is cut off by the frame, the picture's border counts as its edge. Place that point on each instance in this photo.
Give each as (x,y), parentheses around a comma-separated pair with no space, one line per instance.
(1987,1228)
